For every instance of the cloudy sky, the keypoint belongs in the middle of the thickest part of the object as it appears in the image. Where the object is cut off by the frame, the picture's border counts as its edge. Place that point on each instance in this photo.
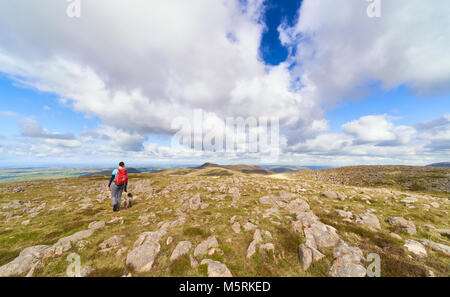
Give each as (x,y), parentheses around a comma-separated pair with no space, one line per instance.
(346,88)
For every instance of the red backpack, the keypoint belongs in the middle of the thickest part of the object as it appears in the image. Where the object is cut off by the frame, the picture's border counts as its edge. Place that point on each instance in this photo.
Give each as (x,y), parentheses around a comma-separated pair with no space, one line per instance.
(121,176)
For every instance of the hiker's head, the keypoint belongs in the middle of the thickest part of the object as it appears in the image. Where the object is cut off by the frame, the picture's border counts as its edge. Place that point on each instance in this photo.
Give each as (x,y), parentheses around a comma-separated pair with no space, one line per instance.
(121,164)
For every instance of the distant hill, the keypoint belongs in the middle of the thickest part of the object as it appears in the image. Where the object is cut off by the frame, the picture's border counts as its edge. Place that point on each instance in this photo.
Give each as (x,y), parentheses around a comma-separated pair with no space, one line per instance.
(207,165)
(109,171)
(283,169)
(442,164)
(248,169)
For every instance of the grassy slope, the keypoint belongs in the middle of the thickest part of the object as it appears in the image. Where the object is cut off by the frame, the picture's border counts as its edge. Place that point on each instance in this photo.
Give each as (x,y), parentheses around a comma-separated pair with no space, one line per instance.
(164,195)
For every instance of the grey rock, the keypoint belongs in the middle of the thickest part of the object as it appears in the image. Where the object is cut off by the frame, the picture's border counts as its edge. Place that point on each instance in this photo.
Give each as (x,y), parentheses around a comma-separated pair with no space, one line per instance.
(181,249)
(142,257)
(203,247)
(416,248)
(112,243)
(369,220)
(195,202)
(324,235)
(26,260)
(216,269)
(236,227)
(436,246)
(329,194)
(297,206)
(145,250)
(347,270)
(343,213)
(405,225)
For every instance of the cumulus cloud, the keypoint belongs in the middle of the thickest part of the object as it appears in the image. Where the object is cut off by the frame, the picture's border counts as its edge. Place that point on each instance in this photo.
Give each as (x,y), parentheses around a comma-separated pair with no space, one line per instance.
(31,128)
(137,65)
(341,51)
(376,138)
(178,57)
(437,133)
(377,129)
(120,139)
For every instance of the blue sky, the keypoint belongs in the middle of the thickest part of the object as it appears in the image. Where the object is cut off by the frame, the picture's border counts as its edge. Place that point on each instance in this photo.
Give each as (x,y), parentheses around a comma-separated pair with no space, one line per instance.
(84,91)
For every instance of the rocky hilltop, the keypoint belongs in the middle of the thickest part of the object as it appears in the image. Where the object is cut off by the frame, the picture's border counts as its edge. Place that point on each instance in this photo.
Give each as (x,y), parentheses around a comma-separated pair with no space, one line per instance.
(219,221)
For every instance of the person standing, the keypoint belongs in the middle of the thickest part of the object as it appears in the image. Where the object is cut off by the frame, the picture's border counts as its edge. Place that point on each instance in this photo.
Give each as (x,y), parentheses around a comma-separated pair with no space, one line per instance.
(120,178)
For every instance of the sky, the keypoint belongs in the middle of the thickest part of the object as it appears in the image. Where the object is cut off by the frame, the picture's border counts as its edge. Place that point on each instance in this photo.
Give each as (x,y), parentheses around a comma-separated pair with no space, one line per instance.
(123,79)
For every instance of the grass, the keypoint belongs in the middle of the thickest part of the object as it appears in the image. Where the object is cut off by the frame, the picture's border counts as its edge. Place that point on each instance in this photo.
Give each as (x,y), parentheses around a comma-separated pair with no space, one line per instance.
(166,192)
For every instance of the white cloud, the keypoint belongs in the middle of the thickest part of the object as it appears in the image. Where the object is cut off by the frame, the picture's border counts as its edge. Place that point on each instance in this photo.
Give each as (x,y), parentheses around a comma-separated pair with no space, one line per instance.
(154,63)
(341,51)
(30,128)
(377,129)
(136,65)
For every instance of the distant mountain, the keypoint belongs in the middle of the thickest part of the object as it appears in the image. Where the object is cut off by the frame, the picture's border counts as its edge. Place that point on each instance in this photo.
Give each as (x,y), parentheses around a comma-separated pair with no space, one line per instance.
(283,169)
(109,171)
(442,164)
(207,165)
(249,169)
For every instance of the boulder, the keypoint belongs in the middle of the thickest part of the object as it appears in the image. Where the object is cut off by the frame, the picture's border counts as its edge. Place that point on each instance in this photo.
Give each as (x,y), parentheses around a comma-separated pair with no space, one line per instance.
(416,248)
(26,260)
(436,246)
(181,249)
(395,235)
(216,269)
(257,238)
(347,261)
(369,220)
(347,270)
(307,218)
(195,202)
(112,243)
(343,213)
(435,204)
(403,224)
(249,226)
(297,205)
(142,257)
(329,194)
(236,227)
(267,247)
(324,235)
(203,247)
(96,225)
(86,271)
(409,200)
(307,255)
(145,250)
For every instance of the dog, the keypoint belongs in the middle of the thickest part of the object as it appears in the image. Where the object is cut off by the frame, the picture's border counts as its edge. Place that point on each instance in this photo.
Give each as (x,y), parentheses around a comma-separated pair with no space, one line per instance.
(128,201)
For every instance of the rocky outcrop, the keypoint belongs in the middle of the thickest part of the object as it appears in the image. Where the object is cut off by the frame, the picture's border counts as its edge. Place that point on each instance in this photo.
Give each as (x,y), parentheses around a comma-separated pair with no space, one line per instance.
(329,194)
(407,226)
(181,249)
(216,269)
(203,247)
(323,235)
(257,238)
(26,260)
(145,250)
(307,254)
(347,262)
(416,248)
(195,202)
(236,227)
(439,247)
(369,220)
(112,243)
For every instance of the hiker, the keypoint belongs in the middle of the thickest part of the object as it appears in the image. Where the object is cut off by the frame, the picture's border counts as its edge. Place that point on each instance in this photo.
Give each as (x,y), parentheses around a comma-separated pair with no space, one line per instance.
(120,178)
